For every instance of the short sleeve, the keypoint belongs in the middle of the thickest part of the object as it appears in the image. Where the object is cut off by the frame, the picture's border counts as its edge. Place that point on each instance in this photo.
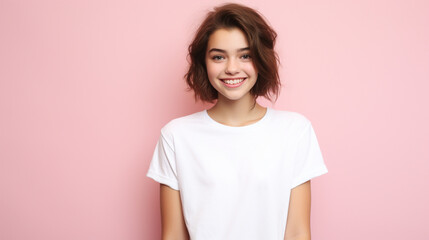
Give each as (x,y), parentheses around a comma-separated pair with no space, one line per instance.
(163,165)
(308,160)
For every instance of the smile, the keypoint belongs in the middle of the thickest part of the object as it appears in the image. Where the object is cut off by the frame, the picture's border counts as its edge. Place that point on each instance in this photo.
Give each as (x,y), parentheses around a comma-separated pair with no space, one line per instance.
(233,82)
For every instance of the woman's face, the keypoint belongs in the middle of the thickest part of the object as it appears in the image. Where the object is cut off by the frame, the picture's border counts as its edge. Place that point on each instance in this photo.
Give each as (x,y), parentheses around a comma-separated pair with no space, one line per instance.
(230,67)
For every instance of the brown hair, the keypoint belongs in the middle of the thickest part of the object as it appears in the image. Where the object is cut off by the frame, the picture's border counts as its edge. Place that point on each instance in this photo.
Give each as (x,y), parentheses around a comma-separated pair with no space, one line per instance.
(261,38)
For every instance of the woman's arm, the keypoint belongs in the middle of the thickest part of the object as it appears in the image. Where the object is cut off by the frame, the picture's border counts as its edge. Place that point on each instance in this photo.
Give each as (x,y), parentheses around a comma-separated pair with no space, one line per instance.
(172,220)
(298,219)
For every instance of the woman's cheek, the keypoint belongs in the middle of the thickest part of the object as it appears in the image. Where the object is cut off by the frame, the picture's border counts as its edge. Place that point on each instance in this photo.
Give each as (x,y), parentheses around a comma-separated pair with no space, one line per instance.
(213,69)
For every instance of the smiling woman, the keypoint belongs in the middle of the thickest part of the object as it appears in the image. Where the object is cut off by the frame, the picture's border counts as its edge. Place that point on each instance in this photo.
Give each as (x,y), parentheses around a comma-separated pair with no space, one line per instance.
(230,68)
(237,170)
(256,37)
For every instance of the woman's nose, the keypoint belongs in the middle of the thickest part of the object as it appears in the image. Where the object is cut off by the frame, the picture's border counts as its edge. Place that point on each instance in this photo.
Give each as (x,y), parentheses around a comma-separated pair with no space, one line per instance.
(232,67)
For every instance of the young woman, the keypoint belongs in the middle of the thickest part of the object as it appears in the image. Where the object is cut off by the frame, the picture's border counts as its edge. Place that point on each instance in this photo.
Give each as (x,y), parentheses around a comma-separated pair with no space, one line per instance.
(237,170)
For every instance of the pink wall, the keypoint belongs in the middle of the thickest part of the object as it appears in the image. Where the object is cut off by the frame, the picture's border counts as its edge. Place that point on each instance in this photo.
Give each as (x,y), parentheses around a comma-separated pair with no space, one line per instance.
(85,87)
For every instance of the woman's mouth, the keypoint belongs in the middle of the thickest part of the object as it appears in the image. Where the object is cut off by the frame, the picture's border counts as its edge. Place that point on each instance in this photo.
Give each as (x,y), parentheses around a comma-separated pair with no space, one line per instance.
(233,82)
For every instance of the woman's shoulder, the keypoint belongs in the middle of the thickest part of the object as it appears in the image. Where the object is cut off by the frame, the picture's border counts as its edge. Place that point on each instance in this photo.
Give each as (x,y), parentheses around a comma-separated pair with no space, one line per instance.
(292,124)
(287,116)
(182,122)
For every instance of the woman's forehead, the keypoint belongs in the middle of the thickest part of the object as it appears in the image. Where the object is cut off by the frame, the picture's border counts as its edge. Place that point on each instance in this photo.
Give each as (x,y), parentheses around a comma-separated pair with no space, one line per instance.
(230,40)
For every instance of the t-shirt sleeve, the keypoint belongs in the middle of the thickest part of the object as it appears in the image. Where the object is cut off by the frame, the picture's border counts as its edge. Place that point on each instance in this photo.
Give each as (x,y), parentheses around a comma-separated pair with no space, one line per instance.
(163,165)
(308,160)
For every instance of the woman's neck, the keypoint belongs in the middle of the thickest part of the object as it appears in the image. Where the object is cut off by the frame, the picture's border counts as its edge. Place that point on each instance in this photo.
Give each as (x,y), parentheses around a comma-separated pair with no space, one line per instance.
(237,113)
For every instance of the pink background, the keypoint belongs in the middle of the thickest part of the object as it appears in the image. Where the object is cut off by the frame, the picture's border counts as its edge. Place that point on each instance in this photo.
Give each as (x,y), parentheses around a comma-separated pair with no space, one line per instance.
(85,87)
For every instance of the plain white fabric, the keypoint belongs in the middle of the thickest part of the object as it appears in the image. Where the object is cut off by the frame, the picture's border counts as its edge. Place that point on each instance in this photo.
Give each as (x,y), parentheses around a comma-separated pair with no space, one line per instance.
(235,182)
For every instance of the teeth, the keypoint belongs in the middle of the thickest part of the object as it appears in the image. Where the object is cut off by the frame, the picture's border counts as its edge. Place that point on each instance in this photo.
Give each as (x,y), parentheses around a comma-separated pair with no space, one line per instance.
(236,81)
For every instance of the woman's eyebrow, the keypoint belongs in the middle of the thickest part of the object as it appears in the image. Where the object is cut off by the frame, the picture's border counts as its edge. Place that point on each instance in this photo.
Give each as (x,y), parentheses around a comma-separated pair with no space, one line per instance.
(223,51)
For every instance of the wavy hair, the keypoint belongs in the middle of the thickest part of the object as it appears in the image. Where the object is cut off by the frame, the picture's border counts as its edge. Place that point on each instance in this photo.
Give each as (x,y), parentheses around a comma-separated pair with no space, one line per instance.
(261,38)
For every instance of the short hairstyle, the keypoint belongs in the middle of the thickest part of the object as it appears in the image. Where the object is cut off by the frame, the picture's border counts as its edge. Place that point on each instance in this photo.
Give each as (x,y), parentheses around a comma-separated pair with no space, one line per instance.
(261,38)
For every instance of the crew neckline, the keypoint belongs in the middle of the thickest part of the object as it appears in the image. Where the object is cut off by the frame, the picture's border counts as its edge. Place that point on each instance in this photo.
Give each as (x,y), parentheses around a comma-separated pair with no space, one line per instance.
(249,126)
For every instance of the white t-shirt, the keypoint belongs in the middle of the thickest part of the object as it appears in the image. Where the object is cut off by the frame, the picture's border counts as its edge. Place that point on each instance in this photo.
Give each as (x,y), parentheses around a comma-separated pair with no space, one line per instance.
(235,182)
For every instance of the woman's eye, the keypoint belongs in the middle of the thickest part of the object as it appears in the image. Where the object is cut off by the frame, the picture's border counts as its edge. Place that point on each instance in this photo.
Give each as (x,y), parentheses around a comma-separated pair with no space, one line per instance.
(246,56)
(217,57)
